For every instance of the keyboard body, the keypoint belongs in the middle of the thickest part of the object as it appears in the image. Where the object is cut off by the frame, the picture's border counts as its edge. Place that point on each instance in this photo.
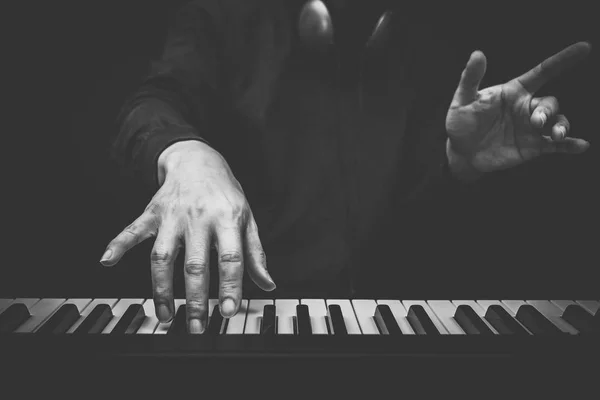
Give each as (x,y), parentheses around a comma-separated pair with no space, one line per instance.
(365,346)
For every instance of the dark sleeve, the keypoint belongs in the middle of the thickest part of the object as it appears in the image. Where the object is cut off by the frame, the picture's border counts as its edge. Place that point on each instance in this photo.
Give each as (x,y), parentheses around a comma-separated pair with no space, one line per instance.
(173,103)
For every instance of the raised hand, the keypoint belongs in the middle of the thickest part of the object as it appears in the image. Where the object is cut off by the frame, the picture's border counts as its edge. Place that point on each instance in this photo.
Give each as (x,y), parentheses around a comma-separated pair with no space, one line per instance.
(200,205)
(505,125)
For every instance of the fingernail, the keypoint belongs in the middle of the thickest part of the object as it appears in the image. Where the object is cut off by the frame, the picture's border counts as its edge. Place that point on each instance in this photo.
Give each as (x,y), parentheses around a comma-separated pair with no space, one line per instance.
(542,118)
(562,132)
(163,313)
(227,307)
(196,326)
(106,256)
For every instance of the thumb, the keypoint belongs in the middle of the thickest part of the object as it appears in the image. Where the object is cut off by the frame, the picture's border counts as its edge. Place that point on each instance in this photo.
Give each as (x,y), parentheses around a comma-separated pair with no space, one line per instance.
(471,79)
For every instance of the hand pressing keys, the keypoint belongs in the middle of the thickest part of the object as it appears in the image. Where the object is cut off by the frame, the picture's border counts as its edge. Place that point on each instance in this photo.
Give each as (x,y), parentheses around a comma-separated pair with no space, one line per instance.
(199,205)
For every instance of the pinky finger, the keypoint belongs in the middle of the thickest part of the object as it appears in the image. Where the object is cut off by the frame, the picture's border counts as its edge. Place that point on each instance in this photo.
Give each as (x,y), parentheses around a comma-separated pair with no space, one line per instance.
(256,259)
(566,146)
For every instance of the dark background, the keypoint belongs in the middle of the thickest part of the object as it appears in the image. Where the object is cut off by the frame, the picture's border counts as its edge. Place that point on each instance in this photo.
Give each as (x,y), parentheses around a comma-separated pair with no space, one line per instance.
(70,64)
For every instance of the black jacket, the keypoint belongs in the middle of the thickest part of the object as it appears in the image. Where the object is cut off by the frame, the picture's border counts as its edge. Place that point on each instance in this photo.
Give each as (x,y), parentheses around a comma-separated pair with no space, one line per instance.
(341,153)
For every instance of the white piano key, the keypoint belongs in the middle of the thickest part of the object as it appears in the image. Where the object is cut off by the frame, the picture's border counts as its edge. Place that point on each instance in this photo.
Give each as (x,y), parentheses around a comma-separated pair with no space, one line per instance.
(89,308)
(478,310)
(317,309)
(236,324)
(4,303)
(286,312)
(352,325)
(399,313)
(211,305)
(554,314)
(563,304)
(445,310)
(589,305)
(39,313)
(162,329)
(484,304)
(81,304)
(254,315)
(151,321)
(365,313)
(513,305)
(29,302)
(436,321)
(118,310)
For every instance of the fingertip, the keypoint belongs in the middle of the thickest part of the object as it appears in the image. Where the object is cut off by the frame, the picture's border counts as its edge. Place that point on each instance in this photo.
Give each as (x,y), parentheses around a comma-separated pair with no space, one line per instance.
(163,313)
(106,258)
(265,283)
(477,55)
(228,308)
(587,45)
(539,119)
(584,146)
(270,285)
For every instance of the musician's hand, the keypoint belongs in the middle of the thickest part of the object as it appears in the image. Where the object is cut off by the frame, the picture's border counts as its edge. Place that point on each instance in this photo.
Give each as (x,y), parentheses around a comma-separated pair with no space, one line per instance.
(503,126)
(199,205)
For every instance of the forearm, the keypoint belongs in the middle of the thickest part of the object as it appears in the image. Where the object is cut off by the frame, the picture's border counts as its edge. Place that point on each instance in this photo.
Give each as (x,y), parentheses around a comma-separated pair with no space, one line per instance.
(178,97)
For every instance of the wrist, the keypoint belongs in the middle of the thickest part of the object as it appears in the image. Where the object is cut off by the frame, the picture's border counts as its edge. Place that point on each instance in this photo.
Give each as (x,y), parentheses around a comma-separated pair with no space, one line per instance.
(172,155)
(460,166)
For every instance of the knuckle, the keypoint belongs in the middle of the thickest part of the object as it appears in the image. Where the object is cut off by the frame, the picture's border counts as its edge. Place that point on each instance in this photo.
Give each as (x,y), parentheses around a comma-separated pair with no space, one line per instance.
(162,293)
(196,210)
(230,257)
(160,256)
(231,284)
(153,208)
(234,212)
(196,267)
(196,308)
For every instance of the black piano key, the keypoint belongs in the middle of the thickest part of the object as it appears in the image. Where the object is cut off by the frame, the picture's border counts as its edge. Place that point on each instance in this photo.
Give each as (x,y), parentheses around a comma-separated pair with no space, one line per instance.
(216,322)
(579,318)
(385,320)
(61,320)
(420,321)
(336,318)
(130,321)
(268,324)
(503,322)
(13,317)
(535,321)
(179,324)
(470,322)
(303,320)
(96,321)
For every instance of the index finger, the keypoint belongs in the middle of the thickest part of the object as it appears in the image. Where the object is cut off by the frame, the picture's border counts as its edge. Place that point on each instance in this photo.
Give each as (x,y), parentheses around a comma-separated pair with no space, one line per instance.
(551,67)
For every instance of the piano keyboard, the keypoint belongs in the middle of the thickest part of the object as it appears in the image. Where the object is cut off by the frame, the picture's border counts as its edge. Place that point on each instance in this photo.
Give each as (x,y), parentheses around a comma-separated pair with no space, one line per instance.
(307,317)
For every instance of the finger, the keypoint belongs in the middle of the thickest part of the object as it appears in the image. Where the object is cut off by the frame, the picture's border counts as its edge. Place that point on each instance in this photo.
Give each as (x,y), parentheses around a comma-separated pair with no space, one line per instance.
(231,268)
(561,128)
(470,79)
(256,260)
(140,230)
(162,259)
(197,276)
(567,146)
(544,109)
(535,78)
